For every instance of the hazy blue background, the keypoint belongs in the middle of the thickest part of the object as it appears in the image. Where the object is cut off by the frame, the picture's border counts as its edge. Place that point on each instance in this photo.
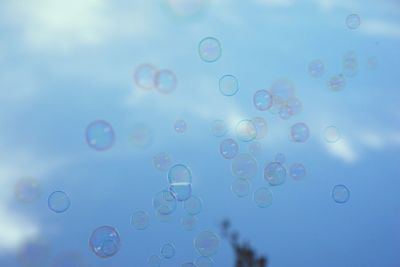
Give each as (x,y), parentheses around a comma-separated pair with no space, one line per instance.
(66,63)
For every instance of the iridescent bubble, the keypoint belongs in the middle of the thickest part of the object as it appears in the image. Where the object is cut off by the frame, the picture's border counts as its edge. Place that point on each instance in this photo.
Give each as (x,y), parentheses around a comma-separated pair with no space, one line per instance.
(168,251)
(246,131)
(140,220)
(280,158)
(207,243)
(262,100)
(144,76)
(210,49)
(181,191)
(229,148)
(100,135)
(59,201)
(27,190)
(297,171)
(263,197)
(35,253)
(189,222)
(180,126)
(154,261)
(179,174)
(337,82)
(353,21)
(164,202)
(285,112)
(255,148)
(275,173)
(105,241)
(165,81)
(241,187)
(162,161)
(244,166)
(187,8)
(219,128)
(141,136)
(70,259)
(340,194)
(299,132)
(350,64)
(228,85)
(261,127)
(332,134)
(193,205)
(316,68)
(204,262)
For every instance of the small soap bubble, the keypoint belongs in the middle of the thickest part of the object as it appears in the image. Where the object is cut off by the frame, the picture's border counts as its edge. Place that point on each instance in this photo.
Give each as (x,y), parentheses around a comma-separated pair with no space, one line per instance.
(105,241)
(168,251)
(244,166)
(59,201)
(340,194)
(261,127)
(179,174)
(180,126)
(332,134)
(228,85)
(316,68)
(275,173)
(285,112)
(299,132)
(181,191)
(297,171)
(229,148)
(207,243)
(263,197)
(141,136)
(350,64)
(262,100)
(255,148)
(241,187)
(140,220)
(193,205)
(280,157)
(353,21)
(246,131)
(100,135)
(204,262)
(189,222)
(144,76)
(210,49)
(162,161)
(154,261)
(164,202)
(337,82)
(165,81)
(219,128)
(27,190)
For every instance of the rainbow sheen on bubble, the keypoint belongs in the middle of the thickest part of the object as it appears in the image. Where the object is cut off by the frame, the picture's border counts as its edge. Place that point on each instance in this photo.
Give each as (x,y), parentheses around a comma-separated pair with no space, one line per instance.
(105,241)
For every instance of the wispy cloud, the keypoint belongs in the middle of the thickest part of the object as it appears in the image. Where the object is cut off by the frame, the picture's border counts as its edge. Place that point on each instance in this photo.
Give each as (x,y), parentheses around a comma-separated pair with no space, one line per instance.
(380,28)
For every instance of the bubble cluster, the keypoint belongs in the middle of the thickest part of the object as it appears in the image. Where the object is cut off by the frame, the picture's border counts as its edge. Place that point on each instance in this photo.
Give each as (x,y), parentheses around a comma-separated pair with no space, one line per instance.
(27,190)
(353,21)
(100,135)
(340,194)
(337,82)
(246,130)
(219,128)
(275,173)
(316,68)
(229,148)
(144,76)
(207,243)
(210,49)
(168,251)
(263,197)
(262,100)
(244,166)
(180,126)
(140,220)
(297,171)
(105,241)
(228,85)
(299,132)
(332,134)
(165,81)
(162,161)
(240,187)
(164,202)
(59,201)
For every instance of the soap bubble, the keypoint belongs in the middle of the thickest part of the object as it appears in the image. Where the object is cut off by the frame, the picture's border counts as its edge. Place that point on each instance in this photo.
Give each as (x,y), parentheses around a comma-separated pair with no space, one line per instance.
(280,157)
(140,220)
(261,127)
(210,49)
(167,251)
(262,100)
(58,201)
(263,197)
(297,171)
(180,126)
(229,148)
(154,261)
(340,194)
(141,135)
(162,161)
(181,191)
(241,187)
(228,85)
(295,105)
(246,130)
(299,132)
(100,135)
(285,112)
(331,134)
(144,76)
(165,81)
(337,82)
(193,205)
(204,262)
(219,128)
(282,90)
(164,202)
(275,173)
(189,222)
(105,241)
(207,243)
(350,64)
(244,166)
(353,21)
(27,190)
(179,174)
(316,68)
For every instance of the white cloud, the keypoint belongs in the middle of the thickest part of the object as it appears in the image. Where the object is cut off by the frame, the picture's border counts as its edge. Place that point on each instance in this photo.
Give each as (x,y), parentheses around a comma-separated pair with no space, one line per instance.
(380,28)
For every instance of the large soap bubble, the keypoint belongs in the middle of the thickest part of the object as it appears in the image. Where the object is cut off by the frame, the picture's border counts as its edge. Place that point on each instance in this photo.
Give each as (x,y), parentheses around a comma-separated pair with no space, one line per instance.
(105,241)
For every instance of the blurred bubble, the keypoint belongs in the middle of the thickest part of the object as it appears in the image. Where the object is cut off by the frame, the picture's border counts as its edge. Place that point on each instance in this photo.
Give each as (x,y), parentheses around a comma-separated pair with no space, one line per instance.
(154,261)
(144,76)
(204,262)
(219,128)
(337,82)
(340,194)
(299,132)
(297,171)
(189,222)
(141,136)
(181,191)
(331,134)
(295,105)
(282,89)
(255,148)
(34,253)
(246,130)
(187,8)
(350,64)
(229,148)
(165,81)
(100,135)
(241,187)
(140,220)
(105,241)
(180,126)
(280,158)
(27,190)
(70,259)
(193,205)
(262,100)
(228,85)
(275,173)
(285,111)
(244,166)
(316,68)
(353,21)
(207,243)
(162,161)
(179,174)
(163,217)
(261,127)
(59,201)
(167,251)
(210,49)
(164,202)
(263,197)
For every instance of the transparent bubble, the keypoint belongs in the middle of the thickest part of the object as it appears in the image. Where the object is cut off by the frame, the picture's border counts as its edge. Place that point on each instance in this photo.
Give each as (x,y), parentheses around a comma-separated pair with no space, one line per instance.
(244,166)
(228,85)
(164,202)
(162,161)
(187,8)
(262,100)
(316,68)
(299,132)
(168,251)
(105,241)
(337,82)
(353,21)
(180,126)
(285,112)
(229,148)
(33,253)
(181,191)
(282,89)
(246,131)
(193,205)
(165,81)
(263,197)
(144,76)
(280,158)
(275,173)
(210,49)
(189,222)
(100,135)
(141,136)
(219,128)
(70,259)
(154,261)
(140,220)
(340,194)
(59,201)
(207,243)
(261,127)
(294,105)
(241,187)
(204,262)
(188,264)
(297,171)
(350,64)
(27,190)
(332,134)
(255,148)
(179,174)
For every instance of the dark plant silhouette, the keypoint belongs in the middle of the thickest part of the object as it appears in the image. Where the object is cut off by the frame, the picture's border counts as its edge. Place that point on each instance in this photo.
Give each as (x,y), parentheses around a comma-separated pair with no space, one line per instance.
(245,255)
